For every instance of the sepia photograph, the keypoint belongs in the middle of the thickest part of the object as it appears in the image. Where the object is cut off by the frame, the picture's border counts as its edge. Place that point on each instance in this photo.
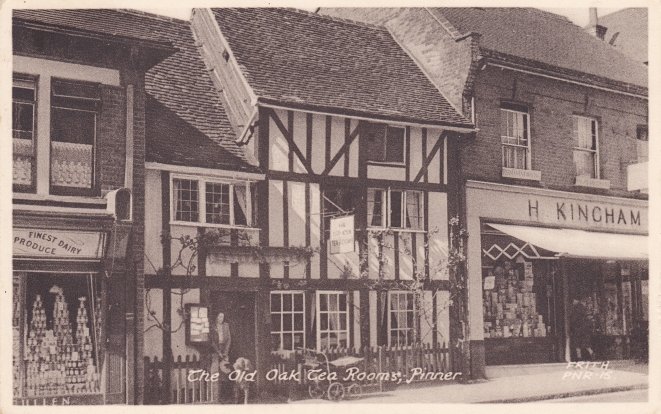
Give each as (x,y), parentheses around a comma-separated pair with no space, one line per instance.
(329,205)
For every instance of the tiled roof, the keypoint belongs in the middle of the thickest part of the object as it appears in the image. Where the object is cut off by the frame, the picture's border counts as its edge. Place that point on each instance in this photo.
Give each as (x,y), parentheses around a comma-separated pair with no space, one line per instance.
(631,27)
(103,21)
(551,40)
(186,122)
(297,58)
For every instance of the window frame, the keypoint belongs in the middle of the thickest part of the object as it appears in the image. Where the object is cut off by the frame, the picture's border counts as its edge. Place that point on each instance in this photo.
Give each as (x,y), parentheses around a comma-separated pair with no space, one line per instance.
(399,310)
(596,162)
(318,312)
(386,209)
(384,151)
(293,312)
(524,112)
(19,81)
(89,105)
(202,198)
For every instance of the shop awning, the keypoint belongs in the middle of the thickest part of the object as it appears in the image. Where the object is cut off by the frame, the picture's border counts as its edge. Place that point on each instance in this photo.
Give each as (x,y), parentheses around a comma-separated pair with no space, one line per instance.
(581,243)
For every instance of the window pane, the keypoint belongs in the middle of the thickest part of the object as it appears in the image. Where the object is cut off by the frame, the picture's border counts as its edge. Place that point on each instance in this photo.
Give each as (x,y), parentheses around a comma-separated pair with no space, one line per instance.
(323,321)
(376,149)
(23,161)
(218,203)
(298,321)
(287,322)
(342,339)
(275,302)
(585,163)
(343,302)
(287,342)
(323,302)
(186,200)
(395,144)
(396,209)
(276,325)
(72,125)
(286,302)
(22,120)
(298,302)
(414,210)
(324,341)
(298,340)
(333,321)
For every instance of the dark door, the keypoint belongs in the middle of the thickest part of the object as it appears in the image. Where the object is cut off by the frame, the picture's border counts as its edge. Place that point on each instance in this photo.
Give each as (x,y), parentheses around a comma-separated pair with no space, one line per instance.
(239,310)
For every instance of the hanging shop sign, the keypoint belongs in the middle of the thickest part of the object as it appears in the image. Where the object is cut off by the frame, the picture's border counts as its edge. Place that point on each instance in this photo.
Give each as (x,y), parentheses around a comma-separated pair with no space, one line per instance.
(58,244)
(342,235)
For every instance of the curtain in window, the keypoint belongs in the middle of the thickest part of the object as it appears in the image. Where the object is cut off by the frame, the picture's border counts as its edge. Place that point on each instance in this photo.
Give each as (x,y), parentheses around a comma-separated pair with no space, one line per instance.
(413,210)
(240,205)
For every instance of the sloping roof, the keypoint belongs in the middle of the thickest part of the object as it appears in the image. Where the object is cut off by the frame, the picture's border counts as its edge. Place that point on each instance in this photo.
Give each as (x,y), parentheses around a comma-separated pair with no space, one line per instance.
(546,38)
(301,59)
(631,26)
(186,123)
(103,21)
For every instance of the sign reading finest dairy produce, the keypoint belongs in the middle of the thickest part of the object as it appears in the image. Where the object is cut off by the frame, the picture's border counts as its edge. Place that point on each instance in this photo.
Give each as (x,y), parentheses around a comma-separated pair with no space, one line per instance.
(58,244)
(342,235)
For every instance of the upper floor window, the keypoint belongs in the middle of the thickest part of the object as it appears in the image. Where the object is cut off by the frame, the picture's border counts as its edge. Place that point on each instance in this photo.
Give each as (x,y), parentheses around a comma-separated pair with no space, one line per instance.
(212,202)
(74,107)
(395,208)
(515,136)
(67,167)
(642,143)
(385,143)
(23,126)
(586,156)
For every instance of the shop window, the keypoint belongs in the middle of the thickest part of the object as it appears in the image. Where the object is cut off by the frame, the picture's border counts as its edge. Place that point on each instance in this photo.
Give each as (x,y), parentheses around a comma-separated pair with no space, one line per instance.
(23,126)
(385,143)
(401,314)
(287,321)
(61,347)
(332,320)
(221,203)
(586,156)
(74,107)
(515,136)
(402,209)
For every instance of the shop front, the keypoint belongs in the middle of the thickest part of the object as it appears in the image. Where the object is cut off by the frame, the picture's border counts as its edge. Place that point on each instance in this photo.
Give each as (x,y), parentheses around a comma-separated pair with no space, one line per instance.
(556,276)
(66,351)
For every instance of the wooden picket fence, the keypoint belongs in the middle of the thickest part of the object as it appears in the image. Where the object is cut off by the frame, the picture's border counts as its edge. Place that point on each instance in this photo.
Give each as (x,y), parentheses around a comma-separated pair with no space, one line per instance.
(426,358)
(181,391)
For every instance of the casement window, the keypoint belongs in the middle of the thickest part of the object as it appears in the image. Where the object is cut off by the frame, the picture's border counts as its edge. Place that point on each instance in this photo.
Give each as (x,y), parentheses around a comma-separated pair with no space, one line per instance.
(212,202)
(287,321)
(515,136)
(23,130)
(73,110)
(642,143)
(332,320)
(385,143)
(401,316)
(395,208)
(586,155)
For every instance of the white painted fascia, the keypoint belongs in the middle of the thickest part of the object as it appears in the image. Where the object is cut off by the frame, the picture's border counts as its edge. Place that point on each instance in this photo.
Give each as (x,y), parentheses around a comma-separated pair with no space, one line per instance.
(210,172)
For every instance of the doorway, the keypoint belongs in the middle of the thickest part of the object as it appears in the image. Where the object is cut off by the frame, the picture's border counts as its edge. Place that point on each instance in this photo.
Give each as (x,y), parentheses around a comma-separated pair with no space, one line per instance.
(239,310)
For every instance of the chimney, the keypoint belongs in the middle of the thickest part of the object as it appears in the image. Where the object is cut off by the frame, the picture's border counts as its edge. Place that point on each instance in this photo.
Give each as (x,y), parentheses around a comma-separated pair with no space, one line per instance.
(593,27)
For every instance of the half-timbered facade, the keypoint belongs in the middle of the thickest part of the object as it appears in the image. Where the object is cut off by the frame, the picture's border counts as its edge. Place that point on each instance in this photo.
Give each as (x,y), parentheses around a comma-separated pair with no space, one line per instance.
(314,134)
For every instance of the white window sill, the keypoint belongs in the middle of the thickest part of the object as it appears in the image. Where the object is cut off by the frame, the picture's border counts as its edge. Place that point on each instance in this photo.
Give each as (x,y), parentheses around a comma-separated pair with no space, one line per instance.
(519,174)
(583,181)
(211,225)
(387,164)
(394,229)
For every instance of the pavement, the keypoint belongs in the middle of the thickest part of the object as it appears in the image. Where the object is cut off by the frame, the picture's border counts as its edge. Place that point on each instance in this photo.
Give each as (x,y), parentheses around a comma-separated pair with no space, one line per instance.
(519,384)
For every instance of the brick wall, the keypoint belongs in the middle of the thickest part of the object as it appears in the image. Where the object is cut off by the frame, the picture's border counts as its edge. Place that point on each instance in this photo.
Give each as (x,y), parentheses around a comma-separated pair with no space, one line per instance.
(111,140)
(552,104)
